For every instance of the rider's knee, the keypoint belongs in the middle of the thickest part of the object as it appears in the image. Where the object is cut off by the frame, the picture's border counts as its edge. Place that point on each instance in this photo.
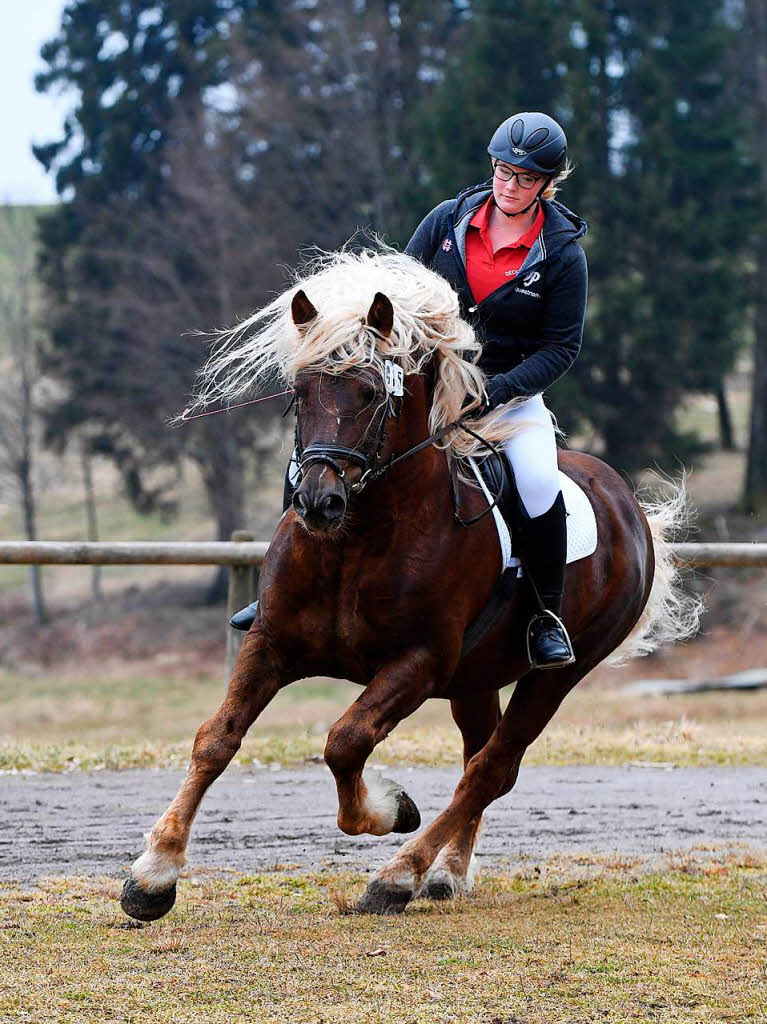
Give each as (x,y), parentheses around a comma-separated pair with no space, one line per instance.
(538,494)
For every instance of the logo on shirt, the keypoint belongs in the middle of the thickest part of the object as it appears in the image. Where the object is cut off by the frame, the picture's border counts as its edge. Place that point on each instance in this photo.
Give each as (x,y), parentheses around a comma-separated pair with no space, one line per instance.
(447,245)
(531,278)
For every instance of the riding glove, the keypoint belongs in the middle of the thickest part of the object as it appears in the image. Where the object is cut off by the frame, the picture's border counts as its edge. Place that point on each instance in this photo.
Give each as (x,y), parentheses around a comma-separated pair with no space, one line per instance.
(498,392)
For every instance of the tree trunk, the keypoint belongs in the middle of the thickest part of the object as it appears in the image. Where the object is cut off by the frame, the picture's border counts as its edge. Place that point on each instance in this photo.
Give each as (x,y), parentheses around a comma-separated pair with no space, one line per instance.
(221,465)
(30,530)
(726,435)
(90,512)
(27,363)
(755,493)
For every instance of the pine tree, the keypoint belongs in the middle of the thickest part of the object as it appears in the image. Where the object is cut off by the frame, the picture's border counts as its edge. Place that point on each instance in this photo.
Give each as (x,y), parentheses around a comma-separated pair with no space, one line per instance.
(138,69)
(660,176)
(212,139)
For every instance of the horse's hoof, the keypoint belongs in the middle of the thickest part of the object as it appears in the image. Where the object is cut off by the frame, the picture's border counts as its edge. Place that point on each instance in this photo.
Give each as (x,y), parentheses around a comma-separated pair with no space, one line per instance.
(381,899)
(438,889)
(146,906)
(408,815)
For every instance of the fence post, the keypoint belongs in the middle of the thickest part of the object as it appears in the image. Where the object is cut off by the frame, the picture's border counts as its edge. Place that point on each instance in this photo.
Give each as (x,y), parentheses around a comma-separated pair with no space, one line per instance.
(240,594)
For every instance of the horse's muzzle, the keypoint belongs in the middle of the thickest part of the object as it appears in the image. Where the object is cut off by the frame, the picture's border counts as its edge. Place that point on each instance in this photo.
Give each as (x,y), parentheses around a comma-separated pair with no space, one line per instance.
(322,509)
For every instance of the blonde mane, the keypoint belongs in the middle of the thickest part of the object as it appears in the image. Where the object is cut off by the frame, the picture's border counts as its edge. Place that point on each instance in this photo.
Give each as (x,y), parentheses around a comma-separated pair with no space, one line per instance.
(267,348)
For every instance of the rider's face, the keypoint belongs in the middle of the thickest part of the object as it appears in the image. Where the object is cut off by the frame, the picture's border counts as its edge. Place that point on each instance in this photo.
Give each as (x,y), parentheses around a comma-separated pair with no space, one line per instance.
(509,195)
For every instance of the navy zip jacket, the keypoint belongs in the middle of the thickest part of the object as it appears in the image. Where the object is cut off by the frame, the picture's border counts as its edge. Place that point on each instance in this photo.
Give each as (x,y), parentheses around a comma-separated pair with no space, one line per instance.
(531,327)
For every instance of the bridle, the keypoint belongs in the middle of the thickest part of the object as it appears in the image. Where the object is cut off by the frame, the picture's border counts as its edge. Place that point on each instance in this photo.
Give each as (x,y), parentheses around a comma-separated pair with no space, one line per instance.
(329,453)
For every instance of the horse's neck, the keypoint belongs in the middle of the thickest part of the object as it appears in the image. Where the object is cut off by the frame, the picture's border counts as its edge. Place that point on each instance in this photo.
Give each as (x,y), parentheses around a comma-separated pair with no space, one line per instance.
(424,476)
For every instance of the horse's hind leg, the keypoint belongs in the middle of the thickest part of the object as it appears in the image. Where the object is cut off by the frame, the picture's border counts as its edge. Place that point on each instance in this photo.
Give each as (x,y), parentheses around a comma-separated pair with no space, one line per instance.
(150,891)
(489,774)
(452,871)
(365,802)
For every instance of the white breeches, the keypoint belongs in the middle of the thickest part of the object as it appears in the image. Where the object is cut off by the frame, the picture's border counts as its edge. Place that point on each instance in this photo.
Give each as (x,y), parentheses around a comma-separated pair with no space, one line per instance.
(533,455)
(293,475)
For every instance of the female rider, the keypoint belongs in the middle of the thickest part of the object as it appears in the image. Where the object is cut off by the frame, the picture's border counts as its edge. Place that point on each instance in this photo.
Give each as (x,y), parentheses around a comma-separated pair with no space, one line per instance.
(510,253)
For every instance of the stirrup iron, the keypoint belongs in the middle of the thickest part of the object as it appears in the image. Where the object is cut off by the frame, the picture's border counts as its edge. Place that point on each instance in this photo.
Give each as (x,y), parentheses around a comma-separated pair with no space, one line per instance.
(543,614)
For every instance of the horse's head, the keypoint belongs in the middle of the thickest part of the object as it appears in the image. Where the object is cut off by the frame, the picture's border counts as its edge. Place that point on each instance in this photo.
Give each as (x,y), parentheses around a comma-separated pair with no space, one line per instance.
(343,424)
(347,363)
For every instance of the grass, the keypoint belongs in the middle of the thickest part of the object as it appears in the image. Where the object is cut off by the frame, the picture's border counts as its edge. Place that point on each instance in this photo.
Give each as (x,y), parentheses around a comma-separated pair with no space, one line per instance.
(130,719)
(685,945)
(126,681)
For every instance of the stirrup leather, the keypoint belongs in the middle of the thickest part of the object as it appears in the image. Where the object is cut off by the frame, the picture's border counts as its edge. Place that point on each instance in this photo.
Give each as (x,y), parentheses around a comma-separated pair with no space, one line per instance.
(543,614)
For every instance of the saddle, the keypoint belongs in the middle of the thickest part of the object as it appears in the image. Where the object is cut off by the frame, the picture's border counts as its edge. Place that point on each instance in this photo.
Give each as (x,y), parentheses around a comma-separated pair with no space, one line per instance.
(496,478)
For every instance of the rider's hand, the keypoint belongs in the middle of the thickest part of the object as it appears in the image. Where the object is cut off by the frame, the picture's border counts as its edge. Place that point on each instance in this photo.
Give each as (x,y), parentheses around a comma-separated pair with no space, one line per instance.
(498,392)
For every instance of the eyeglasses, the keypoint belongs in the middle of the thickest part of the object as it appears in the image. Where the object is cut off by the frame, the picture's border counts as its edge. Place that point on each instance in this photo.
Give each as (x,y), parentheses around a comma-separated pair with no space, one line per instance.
(506,174)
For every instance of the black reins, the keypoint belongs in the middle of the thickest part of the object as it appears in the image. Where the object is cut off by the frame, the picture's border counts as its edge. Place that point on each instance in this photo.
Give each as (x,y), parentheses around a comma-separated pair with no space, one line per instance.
(328,453)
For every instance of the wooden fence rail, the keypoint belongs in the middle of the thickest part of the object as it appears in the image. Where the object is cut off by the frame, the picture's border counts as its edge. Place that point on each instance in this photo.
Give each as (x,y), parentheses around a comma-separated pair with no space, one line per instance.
(54,552)
(247,551)
(243,554)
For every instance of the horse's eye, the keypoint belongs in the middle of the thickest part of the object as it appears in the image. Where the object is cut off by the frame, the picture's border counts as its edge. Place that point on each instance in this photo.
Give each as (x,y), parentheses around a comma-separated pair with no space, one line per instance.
(369,394)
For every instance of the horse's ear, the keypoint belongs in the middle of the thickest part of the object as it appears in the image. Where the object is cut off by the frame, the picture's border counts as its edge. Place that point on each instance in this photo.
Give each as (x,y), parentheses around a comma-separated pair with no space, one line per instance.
(381,315)
(301,309)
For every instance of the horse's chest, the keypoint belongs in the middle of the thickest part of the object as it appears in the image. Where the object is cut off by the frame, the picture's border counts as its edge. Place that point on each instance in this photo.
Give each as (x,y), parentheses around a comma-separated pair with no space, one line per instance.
(365,606)
(378,604)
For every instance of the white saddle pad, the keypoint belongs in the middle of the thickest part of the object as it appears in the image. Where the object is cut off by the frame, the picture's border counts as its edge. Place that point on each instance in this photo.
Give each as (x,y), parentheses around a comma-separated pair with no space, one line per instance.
(581,522)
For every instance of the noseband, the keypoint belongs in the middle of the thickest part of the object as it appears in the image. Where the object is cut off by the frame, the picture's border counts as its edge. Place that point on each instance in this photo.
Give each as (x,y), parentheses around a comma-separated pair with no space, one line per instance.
(328,452)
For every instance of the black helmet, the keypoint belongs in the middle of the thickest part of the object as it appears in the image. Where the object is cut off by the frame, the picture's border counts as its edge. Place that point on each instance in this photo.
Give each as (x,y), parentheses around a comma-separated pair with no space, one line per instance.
(531,140)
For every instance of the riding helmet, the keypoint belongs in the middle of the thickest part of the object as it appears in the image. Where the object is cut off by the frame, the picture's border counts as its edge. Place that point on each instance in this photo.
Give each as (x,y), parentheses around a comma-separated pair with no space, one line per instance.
(532,140)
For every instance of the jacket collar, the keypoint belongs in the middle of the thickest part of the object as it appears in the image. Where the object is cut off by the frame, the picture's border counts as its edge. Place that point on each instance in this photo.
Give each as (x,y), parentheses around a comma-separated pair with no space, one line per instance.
(560,226)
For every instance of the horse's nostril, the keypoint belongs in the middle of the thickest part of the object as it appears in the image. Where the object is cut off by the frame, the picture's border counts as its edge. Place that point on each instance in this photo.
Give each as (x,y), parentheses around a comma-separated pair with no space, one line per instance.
(333,506)
(299,504)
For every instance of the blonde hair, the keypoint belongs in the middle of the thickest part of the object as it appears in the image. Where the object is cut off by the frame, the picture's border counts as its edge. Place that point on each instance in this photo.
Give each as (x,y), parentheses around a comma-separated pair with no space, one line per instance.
(268,347)
(553,187)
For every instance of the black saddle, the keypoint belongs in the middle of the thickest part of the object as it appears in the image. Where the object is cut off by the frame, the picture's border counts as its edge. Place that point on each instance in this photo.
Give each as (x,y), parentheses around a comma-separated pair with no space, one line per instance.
(499,479)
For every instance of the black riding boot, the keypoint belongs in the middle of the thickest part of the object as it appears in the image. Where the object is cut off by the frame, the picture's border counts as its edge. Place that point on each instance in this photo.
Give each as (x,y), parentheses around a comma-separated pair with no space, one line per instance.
(245,617)
(544,541)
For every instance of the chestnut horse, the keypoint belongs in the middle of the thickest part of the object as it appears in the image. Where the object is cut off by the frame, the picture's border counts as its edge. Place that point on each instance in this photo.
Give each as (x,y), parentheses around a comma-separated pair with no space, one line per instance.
(370,577)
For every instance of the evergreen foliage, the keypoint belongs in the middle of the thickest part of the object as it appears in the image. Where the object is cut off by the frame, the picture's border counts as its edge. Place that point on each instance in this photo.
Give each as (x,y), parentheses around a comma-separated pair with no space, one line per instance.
(661,176)
(211,139)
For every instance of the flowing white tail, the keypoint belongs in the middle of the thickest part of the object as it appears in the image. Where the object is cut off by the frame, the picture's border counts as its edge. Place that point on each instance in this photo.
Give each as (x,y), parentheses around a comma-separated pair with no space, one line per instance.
(671,614)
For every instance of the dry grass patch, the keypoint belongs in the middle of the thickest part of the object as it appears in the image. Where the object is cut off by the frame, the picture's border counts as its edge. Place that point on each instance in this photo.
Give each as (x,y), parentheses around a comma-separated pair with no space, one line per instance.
(144,711)
(682,947)
(680,742)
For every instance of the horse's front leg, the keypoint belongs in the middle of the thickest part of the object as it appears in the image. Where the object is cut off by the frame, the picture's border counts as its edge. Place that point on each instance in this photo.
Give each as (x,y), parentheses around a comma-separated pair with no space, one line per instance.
(489,774)
(453,869)
(365,802)
(150,890)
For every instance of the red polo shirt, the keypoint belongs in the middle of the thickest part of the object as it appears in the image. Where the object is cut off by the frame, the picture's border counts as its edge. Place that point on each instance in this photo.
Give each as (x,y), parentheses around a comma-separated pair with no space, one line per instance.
(488,270)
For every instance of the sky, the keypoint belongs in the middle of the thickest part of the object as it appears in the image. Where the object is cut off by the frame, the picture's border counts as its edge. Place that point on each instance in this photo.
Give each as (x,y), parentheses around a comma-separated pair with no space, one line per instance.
(26,116)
